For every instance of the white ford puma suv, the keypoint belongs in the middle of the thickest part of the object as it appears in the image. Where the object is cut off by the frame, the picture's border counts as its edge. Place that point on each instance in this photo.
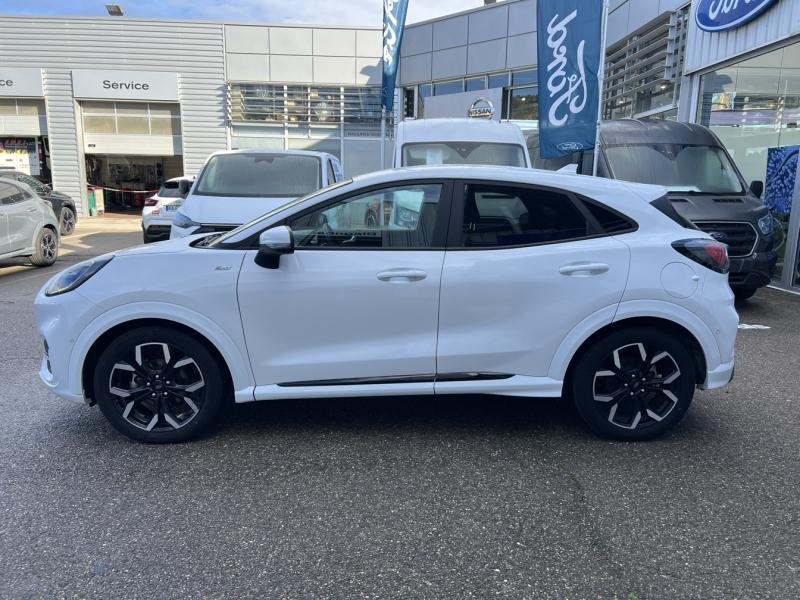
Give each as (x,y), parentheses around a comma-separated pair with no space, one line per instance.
(476,280)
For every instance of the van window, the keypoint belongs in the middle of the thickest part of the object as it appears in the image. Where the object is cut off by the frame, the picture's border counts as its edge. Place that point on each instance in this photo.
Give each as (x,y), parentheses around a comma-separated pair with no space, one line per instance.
(260,175)
(463,153)
(331,174)
(678,167)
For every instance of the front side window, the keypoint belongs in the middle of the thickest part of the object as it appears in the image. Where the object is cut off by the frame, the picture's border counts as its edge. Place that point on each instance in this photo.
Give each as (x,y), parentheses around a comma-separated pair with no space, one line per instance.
(395,218)
(260,175)
(498,216)
(463,153)
(677,167)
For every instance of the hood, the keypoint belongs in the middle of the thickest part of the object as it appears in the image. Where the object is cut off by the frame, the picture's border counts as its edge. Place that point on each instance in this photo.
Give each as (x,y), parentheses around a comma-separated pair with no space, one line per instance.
(718,207)
(228,210)
(165,247)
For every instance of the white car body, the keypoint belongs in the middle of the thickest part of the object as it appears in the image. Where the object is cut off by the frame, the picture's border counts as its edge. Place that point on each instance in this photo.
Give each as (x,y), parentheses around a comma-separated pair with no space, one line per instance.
(226,210)
(372,322)
(159,210)
(472,131)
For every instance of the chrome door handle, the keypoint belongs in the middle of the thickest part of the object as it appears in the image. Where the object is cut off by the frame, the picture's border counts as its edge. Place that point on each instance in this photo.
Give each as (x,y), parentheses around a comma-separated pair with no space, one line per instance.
(584,269)
(402,275)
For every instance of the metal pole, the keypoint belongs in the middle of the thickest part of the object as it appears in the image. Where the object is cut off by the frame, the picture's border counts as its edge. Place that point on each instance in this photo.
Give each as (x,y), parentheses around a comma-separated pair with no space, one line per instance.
(383,137)
(601,76)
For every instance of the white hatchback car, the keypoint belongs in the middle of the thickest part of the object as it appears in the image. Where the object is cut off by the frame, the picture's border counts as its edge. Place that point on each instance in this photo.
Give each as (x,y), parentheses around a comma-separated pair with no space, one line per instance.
(160,208)
(501,281)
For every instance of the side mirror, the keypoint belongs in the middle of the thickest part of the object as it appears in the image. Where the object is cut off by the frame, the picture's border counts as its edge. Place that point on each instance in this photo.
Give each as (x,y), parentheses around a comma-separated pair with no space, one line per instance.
(757,187)
(184,187)
(273,243)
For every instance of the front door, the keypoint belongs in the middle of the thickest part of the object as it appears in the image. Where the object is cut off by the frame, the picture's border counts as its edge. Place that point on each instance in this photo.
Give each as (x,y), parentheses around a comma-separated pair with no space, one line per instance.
(524,266)
(23,214)
(356,305)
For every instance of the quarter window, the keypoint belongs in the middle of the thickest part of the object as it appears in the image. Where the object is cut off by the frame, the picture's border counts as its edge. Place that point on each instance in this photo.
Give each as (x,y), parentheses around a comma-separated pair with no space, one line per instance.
(10,194)
(496,216)
(390,218)
(331,174)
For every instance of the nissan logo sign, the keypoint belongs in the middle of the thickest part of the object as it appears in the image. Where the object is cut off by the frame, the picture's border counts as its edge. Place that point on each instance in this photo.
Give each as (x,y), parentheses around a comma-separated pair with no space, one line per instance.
(481,108)
(721,15)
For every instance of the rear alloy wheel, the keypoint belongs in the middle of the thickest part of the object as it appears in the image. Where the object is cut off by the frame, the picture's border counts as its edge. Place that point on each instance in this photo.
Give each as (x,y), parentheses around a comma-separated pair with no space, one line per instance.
(158,385)
(67,221)
(634,384)
(46,248)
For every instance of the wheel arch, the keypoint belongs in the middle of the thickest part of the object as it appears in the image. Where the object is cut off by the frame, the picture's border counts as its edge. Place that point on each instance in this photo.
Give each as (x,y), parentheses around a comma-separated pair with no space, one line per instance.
(660,323)
(102,341)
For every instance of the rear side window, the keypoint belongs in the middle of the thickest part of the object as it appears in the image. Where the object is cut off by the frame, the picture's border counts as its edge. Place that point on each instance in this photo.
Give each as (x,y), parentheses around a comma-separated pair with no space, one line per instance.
(610,221)
(498,216)
(664,205)
(11,194)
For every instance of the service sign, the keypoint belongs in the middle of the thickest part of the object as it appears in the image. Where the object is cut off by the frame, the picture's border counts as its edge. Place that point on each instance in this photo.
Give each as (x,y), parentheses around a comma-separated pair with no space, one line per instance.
(721,15)
(21,83)
(125,85)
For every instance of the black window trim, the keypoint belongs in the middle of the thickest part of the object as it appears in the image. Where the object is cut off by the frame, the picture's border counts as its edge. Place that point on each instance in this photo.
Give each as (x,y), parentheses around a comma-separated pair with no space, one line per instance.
(440,231)
(455,234)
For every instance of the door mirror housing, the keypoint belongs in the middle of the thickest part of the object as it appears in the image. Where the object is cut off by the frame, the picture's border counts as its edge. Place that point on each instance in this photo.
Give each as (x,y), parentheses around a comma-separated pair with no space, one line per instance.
(757,187)
(272,244)
(184,187)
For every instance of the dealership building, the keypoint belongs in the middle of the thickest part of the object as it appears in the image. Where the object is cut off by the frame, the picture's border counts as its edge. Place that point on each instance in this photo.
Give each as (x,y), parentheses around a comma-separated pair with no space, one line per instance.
(123,103)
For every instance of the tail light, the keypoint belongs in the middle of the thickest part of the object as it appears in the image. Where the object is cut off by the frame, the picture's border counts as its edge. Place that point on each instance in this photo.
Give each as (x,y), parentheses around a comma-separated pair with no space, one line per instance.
(709,253)
(150,201)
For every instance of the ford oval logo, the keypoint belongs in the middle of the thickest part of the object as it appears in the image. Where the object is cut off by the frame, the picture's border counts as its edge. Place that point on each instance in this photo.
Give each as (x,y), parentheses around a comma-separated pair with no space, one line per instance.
(720,15)
(719,236)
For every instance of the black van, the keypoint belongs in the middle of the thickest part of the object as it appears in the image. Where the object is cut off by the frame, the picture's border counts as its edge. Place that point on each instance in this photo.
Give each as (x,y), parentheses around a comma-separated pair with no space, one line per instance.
(703,182)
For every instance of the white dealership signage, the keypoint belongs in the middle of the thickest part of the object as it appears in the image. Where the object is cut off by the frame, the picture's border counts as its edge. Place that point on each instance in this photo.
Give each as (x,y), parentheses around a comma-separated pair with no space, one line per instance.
(125,85)
(20,82)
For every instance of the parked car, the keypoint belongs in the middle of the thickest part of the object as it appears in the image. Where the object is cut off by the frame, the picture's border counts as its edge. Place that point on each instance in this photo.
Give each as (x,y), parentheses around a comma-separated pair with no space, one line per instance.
(28,226)
(460,142)
(704,184)
(237,186)
(160,208)
(509,281)
(63,205)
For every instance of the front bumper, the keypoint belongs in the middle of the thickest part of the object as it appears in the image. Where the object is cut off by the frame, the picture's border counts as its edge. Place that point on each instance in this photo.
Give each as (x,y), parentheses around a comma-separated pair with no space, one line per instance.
(719,377)
(753,271)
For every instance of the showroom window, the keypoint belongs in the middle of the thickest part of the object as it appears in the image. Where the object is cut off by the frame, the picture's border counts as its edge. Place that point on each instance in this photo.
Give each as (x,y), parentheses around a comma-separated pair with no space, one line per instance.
(131,118)
(21,107)
(398,217)
(503,216)
(448,87)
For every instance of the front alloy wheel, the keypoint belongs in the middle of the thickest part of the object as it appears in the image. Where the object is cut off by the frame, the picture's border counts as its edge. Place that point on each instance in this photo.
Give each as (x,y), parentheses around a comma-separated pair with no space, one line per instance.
(635,384)
(158,385)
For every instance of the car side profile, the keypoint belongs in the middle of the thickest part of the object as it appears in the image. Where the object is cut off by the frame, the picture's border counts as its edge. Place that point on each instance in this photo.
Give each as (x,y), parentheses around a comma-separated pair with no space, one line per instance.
(480,280)
(63,206)
(28,226)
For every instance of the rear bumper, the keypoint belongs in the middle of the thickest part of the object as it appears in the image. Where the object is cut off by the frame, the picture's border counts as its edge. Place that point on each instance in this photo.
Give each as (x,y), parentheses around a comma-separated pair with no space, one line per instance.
(753,271)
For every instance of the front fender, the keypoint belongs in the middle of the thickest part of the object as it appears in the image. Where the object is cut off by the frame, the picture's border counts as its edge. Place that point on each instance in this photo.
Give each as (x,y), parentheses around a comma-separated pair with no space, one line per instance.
(234,356)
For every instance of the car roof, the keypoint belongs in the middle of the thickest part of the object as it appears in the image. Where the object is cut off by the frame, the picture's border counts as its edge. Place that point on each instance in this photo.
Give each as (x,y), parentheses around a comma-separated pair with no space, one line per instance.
(459,130)
(274,151)
(637,131)
(579,184)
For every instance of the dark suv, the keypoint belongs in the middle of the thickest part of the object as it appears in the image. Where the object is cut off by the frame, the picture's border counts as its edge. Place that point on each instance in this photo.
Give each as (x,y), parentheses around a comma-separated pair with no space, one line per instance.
(704,186)
(63,206)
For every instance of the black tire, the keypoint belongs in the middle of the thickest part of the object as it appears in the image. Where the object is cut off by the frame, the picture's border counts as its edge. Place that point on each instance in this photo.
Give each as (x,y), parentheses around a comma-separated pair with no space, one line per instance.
(158,400)
(66,221)
(612,383)
(46,248)
(744,293)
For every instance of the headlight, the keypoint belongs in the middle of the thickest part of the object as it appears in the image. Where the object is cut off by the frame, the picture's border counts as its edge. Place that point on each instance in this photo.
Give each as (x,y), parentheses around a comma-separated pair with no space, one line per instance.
(182,221)
(76,276)
(766,224)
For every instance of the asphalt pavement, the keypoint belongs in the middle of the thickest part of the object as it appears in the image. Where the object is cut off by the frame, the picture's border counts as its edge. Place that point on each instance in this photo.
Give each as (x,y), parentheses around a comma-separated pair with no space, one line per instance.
(454,497)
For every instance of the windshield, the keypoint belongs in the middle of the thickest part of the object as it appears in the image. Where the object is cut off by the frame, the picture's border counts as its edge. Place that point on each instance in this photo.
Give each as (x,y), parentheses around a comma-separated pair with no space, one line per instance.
(170,189)
(233,234)
(260,175)
(463,153)
(677,167)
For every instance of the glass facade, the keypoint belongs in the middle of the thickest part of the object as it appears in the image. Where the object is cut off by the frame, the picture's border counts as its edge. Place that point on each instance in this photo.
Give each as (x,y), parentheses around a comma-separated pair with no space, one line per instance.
(131,118)
(754,107)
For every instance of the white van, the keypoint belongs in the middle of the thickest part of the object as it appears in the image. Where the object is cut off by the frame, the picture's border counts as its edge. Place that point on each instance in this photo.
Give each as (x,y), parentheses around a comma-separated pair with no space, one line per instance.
(460,142)
(236,186)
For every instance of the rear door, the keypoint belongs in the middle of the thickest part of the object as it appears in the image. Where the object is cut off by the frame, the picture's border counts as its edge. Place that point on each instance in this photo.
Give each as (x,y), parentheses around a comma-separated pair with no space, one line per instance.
(524,266)
(4,243)
(23,212)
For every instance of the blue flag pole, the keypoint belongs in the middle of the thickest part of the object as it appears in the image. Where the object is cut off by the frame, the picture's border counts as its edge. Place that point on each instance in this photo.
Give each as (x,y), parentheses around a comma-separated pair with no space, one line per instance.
(601,79)
(394,22)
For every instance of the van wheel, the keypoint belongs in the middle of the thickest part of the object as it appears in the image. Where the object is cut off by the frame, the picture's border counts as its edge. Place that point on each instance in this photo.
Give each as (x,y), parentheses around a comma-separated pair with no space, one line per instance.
(158,385)
(46,248)
(634,384)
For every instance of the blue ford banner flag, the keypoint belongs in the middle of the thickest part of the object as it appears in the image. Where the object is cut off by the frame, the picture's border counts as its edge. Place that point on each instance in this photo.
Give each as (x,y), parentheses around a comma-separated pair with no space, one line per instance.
(569,46)
(394,22)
